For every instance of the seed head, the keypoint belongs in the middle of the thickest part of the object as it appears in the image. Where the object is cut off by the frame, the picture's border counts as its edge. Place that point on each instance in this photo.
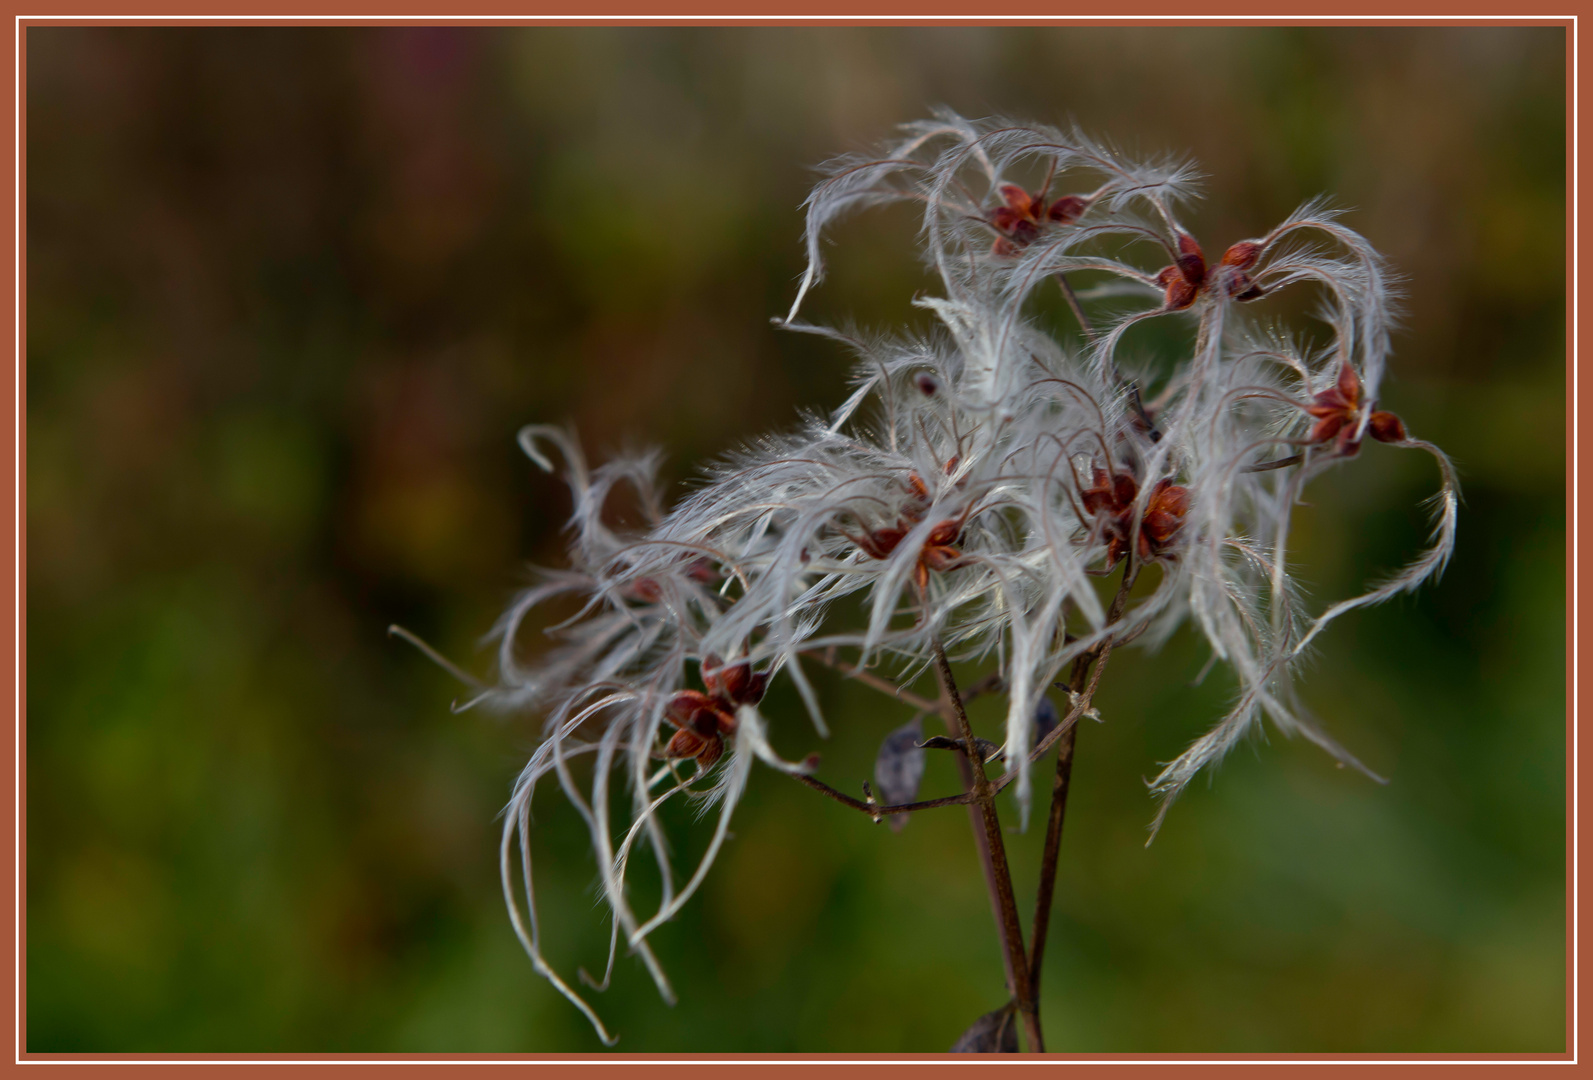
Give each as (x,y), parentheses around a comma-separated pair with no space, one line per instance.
(965,495)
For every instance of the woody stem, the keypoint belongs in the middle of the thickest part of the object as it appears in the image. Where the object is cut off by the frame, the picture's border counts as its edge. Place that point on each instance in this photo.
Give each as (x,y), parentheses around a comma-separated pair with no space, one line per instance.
(992,854)
(1081,688)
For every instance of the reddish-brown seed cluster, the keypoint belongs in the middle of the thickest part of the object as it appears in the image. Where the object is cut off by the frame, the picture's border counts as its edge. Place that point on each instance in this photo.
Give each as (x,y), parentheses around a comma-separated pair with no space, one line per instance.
(705,719)
(1338,417)
(1110,499)
(939,551)
(1183,281)
(1021,216)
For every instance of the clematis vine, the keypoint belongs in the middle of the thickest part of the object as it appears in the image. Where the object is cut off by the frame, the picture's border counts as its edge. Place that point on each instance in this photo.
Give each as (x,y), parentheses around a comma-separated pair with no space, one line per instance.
(963,505)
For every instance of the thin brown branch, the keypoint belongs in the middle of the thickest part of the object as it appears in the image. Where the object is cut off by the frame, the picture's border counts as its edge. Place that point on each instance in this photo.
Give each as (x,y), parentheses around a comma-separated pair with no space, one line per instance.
(1081,689)
(1000,876)
(877,810)
(976,819)
(1053,831)
(990,683)
(1081,707)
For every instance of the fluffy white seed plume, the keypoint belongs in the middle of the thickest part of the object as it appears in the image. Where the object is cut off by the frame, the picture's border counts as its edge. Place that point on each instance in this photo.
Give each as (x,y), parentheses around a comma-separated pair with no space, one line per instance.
(968,494)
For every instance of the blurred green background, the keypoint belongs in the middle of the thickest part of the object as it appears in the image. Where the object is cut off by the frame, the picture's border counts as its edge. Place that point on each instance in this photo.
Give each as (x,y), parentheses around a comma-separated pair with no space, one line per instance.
(292,292)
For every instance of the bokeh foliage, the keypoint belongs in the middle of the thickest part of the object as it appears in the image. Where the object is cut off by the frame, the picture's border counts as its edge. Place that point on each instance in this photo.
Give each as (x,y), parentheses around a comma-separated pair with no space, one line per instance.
(290,295)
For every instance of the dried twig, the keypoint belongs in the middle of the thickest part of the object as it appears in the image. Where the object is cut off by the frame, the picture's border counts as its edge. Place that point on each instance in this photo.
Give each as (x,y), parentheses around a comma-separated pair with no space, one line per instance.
(1081,692)
(999,876)
(877,810)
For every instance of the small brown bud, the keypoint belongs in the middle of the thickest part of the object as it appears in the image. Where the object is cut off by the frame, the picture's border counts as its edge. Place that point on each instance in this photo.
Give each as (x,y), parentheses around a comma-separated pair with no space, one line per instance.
(1016,198)
(1180,294)
(1191,260)
(1067,209)
(1386,427)
(710,669)
(685,706)
(741,685)
(1243,255)
(685,744)
(710,752)
(881,542)
(1349,385)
